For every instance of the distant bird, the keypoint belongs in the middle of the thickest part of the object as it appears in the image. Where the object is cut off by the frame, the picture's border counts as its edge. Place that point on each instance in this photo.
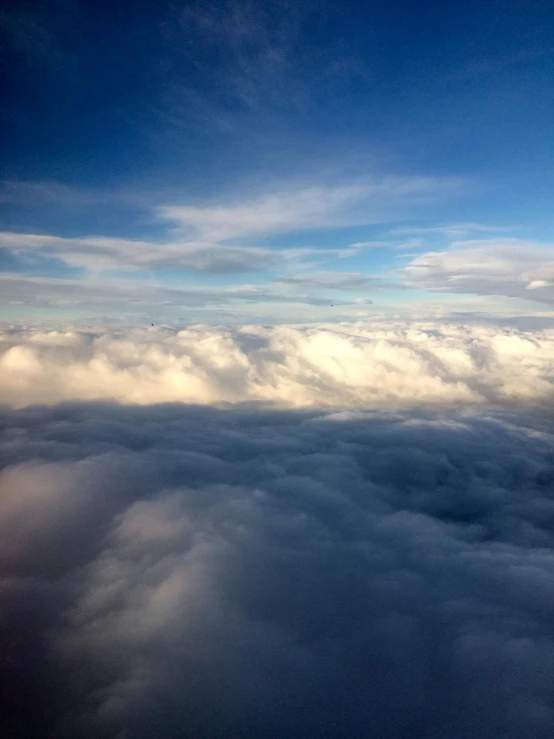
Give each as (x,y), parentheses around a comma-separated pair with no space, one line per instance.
(152,324)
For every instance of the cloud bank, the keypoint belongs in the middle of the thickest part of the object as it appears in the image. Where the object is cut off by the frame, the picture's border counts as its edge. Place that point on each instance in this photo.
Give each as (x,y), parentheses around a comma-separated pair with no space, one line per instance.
(184,571)
(350,365)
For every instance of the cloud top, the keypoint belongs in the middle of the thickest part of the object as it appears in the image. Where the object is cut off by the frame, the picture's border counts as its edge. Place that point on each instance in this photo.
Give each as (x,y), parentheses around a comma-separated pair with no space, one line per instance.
(171,571)
(360,364)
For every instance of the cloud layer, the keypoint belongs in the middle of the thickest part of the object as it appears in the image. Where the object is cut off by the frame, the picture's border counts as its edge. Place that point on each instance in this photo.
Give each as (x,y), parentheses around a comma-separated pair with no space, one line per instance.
(183,571)
(199,235)
(510,267)
(366,365)
(316,207)
(100,253)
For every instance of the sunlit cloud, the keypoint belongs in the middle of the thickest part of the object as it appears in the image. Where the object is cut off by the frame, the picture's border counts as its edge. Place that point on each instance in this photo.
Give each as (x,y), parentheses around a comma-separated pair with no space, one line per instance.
(353,365)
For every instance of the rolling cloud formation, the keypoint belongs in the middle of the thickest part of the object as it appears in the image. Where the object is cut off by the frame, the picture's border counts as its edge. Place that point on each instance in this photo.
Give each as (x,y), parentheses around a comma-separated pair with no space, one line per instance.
(366,365)
(187,571)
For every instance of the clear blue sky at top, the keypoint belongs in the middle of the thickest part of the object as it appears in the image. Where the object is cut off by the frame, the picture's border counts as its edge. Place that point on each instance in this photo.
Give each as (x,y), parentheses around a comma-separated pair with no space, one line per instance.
(100,94)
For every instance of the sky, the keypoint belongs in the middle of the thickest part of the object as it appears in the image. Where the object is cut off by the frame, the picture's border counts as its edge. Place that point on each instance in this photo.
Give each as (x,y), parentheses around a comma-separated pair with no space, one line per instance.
(276,370)
(275,162)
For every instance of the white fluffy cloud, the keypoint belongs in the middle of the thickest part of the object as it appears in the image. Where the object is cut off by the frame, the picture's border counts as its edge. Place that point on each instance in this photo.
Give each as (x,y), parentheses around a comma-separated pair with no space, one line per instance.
(182,571)
(291,366)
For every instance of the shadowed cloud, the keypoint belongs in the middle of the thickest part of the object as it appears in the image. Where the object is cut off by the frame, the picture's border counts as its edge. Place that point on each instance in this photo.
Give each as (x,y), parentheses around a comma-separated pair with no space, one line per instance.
(181,571)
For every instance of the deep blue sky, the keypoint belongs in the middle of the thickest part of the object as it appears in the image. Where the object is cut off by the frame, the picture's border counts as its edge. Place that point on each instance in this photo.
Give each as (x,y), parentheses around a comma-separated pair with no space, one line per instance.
(396,115)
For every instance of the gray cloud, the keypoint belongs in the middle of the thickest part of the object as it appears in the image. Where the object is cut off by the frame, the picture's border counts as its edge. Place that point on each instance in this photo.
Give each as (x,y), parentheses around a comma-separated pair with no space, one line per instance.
(334,281)
(99,253)
(143,299)
(510,267)
(181,571)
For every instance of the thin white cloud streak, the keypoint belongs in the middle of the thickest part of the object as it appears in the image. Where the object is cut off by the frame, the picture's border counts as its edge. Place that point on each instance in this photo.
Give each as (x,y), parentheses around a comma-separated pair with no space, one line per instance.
(348,281)
(312,207)
(452,230)
(404,246)
(374,245)
(269,214)
(100,253)
(199,232)
(321,365)
(97,253)
(315,207)
(131,296)
(510,267)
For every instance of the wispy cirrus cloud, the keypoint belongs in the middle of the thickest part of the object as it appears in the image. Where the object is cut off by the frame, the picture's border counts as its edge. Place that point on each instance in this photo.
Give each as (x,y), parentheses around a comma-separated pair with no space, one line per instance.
(104,253)
(49,193)
(133,297)
(365,201)
(347,281)
(449,230)
(98,253)
(510,267)
(200,234)
(245,62)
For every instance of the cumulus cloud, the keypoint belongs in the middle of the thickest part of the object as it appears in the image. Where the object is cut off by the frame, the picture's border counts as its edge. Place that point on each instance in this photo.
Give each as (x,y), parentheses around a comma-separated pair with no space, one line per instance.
(360,364)
(510,267)
(184,571)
